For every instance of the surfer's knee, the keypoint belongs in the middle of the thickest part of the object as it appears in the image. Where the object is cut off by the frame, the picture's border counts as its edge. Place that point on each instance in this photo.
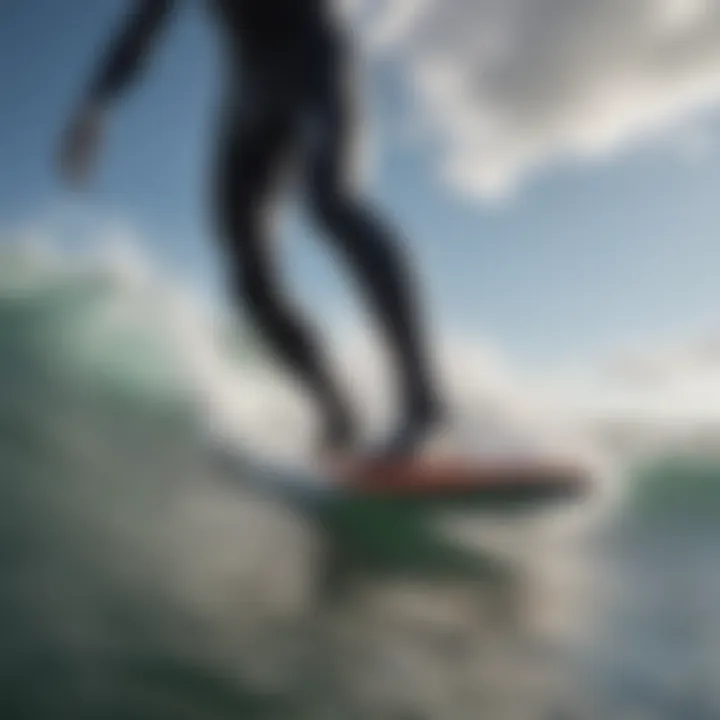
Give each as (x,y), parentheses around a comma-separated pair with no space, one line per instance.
(340,213)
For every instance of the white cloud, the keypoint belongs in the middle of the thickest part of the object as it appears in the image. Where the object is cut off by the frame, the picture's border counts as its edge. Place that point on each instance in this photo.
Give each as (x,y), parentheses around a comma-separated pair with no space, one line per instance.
(510,87)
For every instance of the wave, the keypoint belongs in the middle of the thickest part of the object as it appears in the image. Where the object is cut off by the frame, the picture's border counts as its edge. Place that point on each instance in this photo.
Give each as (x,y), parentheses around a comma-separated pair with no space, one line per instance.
(678,488)
(123,562)
(134,581)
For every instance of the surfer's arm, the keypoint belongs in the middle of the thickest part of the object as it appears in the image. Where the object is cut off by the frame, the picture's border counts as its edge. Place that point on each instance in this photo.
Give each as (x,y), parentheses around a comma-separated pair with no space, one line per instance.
(129,51)
(118,69)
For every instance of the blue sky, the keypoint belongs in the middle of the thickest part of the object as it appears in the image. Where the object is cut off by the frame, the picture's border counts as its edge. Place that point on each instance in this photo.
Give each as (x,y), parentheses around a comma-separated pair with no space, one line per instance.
(580,257)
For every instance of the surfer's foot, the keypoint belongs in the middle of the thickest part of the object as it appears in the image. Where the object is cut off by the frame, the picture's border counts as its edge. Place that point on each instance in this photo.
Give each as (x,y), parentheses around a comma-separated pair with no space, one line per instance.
(336,452)
(422,418)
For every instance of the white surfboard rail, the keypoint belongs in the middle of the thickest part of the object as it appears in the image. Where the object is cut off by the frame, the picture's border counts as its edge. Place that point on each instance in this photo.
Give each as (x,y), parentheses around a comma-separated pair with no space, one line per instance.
(293,485)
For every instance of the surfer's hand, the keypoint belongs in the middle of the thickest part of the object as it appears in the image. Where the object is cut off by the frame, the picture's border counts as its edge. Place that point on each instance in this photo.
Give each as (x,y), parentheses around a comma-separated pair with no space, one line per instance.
(80,144)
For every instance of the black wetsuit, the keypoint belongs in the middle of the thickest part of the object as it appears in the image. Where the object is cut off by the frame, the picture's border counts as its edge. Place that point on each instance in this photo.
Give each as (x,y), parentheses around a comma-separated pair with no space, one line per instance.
(288,91)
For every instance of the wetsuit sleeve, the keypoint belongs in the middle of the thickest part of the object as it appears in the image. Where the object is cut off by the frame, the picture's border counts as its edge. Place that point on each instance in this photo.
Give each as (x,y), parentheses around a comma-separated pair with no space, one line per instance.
(130,48)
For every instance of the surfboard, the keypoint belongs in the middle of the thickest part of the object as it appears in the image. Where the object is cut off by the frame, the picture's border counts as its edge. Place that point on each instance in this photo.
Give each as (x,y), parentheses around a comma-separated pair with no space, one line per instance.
(427,484)
(466,482)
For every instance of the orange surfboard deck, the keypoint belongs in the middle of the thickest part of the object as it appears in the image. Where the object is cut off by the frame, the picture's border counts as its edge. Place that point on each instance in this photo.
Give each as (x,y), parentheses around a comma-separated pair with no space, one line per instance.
(444,477)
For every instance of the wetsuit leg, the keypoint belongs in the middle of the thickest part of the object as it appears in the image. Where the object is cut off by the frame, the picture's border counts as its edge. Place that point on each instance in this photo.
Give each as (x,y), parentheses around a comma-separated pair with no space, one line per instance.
(374,254)
(256,146)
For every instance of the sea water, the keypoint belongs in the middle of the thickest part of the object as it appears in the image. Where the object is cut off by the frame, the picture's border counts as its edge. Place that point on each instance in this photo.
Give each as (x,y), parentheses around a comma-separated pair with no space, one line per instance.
(137,583)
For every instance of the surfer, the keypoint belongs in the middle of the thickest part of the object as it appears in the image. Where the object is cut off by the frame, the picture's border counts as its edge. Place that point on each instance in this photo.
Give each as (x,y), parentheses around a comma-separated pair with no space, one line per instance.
(287,91)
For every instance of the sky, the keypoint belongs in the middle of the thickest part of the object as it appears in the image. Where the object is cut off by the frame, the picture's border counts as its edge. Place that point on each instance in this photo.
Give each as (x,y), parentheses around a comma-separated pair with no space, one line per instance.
(552,164)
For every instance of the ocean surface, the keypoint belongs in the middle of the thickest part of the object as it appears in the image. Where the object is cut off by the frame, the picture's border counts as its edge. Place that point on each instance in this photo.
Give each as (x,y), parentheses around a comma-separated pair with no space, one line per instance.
(136,582)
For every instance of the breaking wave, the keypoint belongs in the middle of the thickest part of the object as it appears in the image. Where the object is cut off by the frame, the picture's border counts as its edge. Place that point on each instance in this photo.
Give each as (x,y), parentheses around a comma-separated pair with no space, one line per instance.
(137,583)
